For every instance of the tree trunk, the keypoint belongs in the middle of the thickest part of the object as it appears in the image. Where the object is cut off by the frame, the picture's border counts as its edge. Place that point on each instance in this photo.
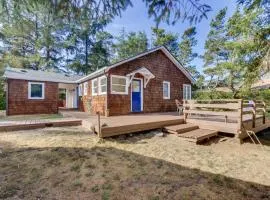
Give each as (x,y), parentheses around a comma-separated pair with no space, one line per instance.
(86,52)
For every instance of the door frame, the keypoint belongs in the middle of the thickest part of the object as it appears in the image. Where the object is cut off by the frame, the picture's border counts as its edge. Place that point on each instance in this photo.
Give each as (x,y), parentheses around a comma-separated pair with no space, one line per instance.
(141,93)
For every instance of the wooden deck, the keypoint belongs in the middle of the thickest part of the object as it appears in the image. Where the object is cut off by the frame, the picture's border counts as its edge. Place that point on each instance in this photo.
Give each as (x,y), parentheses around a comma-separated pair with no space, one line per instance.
(118,125)
(201,120)
(35,124)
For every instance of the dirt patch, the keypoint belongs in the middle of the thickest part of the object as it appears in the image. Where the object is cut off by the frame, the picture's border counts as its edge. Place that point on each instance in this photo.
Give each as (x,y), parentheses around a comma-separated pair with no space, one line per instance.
(71,163)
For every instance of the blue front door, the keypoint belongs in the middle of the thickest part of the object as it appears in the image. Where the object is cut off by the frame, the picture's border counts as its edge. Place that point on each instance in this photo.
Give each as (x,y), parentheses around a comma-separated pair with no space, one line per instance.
(136,96)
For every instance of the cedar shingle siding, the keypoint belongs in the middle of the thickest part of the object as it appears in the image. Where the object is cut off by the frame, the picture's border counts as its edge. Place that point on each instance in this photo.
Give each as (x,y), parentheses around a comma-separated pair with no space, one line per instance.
(93,104)
(18,102)
(119,104)
(164,70)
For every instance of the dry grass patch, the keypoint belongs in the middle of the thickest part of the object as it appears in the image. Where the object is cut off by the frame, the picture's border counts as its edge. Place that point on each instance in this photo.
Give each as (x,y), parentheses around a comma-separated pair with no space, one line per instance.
(62,165)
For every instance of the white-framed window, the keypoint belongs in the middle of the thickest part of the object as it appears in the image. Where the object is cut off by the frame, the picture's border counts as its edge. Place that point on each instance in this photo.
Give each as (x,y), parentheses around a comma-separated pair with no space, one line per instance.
(80,89)
(166,90)
(102,85)
(94,87)
(119,84)
(85,88)
(186,91)
(36,90)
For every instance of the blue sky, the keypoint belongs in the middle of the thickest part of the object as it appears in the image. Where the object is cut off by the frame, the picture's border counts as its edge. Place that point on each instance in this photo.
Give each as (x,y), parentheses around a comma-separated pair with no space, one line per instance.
(136,19)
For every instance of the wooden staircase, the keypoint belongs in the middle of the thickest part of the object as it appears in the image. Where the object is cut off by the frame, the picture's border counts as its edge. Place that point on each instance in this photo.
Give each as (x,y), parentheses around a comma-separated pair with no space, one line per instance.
(191,132)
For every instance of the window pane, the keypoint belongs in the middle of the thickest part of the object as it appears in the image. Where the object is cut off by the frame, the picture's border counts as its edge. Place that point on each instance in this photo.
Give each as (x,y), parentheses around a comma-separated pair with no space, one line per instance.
(165,90)
(95,83)
(103,89)
(103,81)
(118,88)
(135,86)
(95,90)
(36,90)
(85,88)
(120,81)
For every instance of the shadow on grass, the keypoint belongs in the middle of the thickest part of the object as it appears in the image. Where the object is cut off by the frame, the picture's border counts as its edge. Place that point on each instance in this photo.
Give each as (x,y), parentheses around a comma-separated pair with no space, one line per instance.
(109,173)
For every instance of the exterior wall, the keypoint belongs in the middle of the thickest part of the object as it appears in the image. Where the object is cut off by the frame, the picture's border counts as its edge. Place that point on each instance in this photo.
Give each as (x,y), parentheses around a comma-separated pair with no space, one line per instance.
(164,70)
(92,104)
(18,102)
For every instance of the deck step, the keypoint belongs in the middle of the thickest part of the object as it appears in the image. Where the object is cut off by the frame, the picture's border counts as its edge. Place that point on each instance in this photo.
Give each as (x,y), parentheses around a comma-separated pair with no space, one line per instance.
(198,135)
(181,128)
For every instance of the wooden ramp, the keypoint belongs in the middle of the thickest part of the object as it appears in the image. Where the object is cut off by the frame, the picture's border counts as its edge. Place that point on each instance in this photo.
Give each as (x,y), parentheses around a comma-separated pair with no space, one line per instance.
(181,128)
(198,135)
(191,132)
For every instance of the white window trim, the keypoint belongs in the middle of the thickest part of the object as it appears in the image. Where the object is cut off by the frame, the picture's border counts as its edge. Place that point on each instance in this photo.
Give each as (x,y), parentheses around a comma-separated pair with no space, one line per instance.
(189,86)
(29,90)
(99,84)
(169,90)
(80,89)
(85,88)
(92,87)
(126,88)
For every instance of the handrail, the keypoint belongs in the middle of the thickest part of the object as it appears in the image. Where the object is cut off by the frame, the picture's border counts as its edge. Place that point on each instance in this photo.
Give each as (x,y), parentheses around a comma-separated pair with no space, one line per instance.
(235,108)
(218,107)
(255,107)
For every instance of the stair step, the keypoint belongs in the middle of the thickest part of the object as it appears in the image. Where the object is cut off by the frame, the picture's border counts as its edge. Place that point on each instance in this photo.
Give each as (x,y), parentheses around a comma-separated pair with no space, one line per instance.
(198,135)
(181,128)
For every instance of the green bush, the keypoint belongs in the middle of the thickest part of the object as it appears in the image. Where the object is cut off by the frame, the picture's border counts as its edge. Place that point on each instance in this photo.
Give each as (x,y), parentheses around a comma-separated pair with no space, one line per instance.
(2,98)
(263,94)
(200,95)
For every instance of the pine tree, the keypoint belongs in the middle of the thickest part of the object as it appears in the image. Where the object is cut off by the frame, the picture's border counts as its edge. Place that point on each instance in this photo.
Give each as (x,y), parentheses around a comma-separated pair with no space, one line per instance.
(215,52)
(161,38)
(186,54)
(130,44)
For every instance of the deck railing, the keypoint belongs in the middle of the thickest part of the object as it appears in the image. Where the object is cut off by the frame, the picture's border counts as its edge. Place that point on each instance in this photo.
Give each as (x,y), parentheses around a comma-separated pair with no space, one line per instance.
(231,110)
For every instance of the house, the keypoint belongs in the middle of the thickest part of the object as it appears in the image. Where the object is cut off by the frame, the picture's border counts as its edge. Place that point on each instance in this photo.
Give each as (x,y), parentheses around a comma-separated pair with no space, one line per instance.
(148,82)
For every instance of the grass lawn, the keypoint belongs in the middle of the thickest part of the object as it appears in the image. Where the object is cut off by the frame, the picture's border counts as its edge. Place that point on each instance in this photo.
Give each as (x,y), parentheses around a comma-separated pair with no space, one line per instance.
(70,163)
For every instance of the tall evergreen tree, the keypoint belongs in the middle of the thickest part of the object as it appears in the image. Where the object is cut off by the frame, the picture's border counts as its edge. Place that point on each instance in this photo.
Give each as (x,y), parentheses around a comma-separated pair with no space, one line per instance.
(247,44)
(215,52)
(161,38)
(130,44)
(186,53)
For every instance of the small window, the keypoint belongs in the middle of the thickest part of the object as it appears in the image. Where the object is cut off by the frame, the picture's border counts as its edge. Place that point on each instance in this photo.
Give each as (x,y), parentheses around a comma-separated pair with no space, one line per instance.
(102,85)
(85,88)
(94,87)
(119,85)
(186,92)
(35,90)
(166,90)
(80,89)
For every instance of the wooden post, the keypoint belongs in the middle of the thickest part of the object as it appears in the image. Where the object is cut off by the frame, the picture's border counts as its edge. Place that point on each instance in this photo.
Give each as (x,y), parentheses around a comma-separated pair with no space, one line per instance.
(264,110)
(99,126)
(240,117)
(254,114)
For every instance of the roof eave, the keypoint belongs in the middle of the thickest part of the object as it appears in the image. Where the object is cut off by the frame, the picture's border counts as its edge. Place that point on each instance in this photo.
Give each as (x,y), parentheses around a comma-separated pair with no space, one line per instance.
(37,79)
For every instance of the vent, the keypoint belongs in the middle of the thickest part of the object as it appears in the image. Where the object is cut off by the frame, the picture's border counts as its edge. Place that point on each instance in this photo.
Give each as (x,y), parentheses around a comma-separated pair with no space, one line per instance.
(23,70)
